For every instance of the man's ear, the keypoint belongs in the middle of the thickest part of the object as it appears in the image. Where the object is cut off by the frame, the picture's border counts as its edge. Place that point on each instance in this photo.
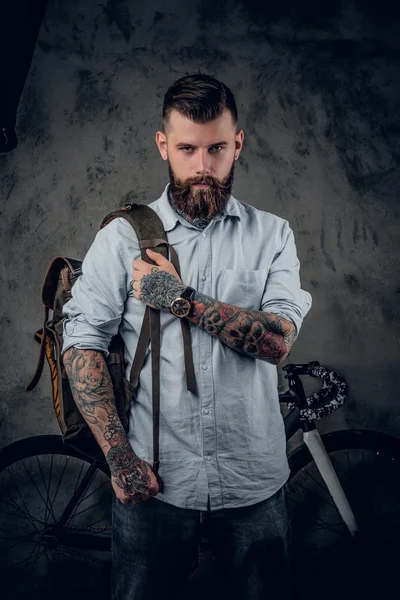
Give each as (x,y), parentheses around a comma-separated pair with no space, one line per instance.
(161,141)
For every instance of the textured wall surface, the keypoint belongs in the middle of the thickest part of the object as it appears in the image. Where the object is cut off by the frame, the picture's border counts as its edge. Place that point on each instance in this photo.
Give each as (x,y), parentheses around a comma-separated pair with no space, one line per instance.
(318,98)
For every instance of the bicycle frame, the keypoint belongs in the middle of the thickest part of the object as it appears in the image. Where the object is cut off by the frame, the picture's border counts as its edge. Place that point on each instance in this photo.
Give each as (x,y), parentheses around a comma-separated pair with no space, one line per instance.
(314,443)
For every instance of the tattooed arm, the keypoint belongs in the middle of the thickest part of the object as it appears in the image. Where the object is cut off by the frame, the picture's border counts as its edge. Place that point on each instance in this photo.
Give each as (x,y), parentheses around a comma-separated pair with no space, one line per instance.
(255,333)
(132,478)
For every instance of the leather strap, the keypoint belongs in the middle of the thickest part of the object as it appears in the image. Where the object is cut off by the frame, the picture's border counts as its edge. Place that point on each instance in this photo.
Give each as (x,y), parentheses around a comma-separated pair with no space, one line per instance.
(155,337)
(187,341)
(141,348)
(151,331)
(50,281)
(185,326)
(42,352)
(49,288)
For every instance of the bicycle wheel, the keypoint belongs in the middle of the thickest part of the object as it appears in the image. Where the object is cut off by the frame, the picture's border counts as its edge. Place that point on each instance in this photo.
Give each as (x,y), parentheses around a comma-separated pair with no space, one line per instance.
(327,560)
(38,478)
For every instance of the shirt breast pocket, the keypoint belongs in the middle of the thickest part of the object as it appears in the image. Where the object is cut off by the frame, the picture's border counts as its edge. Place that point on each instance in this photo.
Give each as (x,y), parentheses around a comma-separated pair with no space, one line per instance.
(243,288)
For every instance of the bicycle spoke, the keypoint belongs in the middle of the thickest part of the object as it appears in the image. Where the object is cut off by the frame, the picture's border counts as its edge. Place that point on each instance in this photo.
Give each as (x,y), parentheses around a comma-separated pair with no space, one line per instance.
(49,486)
(47,492)
(26,537)
(79,476)
(302,487)
(45,487)
(30,569)
(84,497)
(323,488)
(26,560)
(28,515)
(12,533)
(95,523)
(94,491)
(77,504)
(59,481)
(12,504)
(84,510)
(34,484)
(301,505)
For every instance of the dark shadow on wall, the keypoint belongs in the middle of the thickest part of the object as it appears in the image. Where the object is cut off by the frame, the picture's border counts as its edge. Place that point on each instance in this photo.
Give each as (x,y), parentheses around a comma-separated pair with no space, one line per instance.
(20,24)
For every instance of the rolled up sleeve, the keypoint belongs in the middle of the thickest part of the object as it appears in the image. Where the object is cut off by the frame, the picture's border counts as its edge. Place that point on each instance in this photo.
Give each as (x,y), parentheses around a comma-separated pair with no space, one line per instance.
(94,313)
(283,294)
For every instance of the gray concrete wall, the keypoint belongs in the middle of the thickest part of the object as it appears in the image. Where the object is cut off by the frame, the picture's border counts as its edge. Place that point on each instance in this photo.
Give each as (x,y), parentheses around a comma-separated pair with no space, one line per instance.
(317,95)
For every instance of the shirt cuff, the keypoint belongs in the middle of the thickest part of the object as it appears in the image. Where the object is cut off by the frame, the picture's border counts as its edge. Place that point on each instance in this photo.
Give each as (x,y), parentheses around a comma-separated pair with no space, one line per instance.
(78,333)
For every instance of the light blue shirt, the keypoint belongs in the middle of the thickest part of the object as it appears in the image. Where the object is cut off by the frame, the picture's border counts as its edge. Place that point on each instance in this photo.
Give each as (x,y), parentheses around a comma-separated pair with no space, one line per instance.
(228,441)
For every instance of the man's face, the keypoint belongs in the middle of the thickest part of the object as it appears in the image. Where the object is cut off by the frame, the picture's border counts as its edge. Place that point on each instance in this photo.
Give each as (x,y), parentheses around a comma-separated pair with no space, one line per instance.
(200,154)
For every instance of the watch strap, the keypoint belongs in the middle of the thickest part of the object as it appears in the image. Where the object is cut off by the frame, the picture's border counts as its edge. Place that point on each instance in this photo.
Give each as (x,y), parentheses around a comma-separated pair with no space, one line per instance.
(188,293)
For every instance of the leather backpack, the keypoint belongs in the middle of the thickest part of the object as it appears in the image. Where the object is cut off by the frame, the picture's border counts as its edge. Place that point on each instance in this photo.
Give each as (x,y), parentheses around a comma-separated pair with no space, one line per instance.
(59,280)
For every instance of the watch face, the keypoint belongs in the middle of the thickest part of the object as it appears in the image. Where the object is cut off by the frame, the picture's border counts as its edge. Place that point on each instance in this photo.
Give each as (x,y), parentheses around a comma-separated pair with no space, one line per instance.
(180,307)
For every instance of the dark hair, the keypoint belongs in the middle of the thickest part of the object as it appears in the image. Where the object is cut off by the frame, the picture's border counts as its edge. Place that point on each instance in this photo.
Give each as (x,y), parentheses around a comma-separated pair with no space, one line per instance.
(199,97)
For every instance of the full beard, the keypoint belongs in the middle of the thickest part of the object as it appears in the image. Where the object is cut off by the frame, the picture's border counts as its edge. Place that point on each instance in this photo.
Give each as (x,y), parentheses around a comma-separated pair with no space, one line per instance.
(197,203)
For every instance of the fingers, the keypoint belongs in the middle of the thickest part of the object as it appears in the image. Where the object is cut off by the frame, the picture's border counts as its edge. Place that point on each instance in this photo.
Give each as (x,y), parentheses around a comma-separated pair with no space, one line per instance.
(157,257)
(135,285)
(135,498)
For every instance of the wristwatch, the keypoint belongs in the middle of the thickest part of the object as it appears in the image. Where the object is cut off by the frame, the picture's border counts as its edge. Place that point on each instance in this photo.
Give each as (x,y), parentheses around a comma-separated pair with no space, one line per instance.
(180,307)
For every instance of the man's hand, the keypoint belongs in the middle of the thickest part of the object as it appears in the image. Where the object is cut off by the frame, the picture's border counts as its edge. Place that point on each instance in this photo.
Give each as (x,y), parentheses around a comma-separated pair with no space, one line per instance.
(136,483)
(157,285)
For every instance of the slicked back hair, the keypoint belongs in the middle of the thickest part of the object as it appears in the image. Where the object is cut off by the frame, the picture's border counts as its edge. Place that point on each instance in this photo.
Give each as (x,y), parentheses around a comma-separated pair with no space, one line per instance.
(198,97)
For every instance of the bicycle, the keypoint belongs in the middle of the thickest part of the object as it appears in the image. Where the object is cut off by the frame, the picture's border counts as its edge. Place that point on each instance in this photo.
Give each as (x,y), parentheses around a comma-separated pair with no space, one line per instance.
(55,509)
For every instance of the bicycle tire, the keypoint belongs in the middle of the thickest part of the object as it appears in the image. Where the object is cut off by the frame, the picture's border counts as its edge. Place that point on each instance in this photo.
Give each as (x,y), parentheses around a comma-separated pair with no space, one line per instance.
(326,559)
(36,478)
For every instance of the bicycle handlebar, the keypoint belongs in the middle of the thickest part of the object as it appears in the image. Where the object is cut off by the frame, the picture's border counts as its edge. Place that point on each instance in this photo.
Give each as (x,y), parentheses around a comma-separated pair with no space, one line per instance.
(320,404)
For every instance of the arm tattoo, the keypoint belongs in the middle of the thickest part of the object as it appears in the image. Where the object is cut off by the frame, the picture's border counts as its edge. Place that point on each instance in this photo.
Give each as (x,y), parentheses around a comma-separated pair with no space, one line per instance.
(252,332)
(159,288)
(94,396)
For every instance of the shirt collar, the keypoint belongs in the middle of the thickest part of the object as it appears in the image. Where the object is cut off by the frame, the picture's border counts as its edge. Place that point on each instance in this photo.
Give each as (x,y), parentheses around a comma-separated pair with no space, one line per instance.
(171,218)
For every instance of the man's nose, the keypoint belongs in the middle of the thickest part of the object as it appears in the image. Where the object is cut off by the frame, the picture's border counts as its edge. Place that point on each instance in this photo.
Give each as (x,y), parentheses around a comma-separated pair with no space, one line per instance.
(203,162)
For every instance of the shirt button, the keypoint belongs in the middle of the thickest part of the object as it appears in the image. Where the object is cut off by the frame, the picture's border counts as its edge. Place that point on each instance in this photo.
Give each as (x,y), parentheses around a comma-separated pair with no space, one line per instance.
(205,411)
(204,367)
(204,234)
(203,278)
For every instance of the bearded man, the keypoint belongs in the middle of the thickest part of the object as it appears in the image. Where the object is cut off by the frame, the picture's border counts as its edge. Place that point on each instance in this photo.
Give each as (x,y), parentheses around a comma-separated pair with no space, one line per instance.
(223,449)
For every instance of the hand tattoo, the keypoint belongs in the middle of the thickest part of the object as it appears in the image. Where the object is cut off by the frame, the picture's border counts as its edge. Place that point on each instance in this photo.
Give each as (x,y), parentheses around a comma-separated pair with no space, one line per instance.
(159,288)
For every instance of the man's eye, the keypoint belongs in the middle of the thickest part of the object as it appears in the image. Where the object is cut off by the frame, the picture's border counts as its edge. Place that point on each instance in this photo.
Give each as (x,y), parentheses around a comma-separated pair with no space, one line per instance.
(188,149)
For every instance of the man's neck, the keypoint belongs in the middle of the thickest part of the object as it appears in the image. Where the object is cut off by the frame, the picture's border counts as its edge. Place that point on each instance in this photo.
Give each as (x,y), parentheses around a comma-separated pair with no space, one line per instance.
(199,223)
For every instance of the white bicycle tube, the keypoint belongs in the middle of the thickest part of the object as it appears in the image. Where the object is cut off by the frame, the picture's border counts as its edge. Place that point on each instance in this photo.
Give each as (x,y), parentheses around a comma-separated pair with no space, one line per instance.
(314,443)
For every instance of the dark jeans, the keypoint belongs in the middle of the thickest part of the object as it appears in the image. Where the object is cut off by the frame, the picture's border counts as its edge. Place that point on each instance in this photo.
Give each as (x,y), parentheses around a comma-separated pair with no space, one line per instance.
(154,545)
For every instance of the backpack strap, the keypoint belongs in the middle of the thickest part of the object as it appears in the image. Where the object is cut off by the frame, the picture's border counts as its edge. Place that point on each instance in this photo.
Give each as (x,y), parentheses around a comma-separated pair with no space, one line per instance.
(49,289)
(145,222)
(151,234)
(187,344)
(40,336)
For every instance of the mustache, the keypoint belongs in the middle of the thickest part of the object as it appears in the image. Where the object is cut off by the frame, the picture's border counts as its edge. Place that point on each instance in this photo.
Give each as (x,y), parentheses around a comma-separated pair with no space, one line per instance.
(213,183)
